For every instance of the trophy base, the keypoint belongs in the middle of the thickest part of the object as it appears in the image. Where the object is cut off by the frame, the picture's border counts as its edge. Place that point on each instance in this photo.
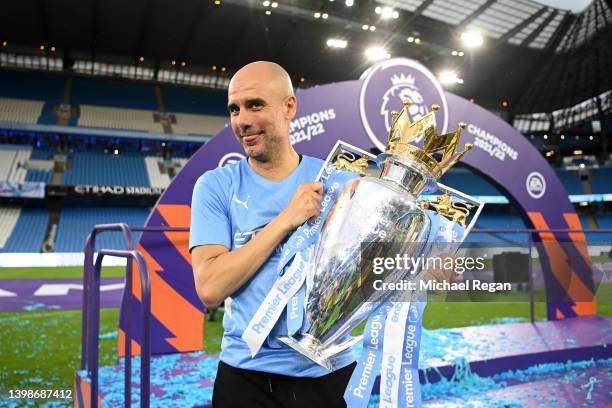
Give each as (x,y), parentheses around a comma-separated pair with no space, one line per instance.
(313,349)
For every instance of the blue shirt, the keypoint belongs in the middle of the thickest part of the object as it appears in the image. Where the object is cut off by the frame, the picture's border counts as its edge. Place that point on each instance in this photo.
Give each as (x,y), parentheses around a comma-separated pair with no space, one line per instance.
(230,205)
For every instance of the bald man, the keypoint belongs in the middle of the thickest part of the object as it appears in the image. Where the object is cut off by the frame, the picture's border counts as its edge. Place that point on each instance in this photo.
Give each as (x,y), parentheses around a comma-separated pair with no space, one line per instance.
(241,215)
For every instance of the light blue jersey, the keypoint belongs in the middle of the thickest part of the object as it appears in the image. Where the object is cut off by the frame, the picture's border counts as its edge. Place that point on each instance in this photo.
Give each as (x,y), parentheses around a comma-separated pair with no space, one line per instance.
(230,205)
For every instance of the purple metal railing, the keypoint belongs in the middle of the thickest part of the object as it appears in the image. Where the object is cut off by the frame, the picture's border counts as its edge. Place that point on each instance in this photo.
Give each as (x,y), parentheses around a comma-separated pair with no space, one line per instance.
(91,305)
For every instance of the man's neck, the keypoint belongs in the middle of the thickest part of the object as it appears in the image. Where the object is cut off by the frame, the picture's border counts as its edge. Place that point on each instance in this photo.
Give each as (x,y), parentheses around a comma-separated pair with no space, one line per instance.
(278,168)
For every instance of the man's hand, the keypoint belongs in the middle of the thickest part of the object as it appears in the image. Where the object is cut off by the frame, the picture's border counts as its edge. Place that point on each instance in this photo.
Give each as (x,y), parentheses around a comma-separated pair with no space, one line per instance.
(219,272)
(304,204)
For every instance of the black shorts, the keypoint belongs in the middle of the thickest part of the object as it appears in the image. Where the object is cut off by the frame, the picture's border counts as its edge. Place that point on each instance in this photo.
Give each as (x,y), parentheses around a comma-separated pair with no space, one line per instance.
(238,388)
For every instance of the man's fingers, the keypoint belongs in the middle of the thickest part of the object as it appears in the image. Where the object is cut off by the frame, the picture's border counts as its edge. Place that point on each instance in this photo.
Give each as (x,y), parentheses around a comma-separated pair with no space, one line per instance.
(318,187)
(314,186)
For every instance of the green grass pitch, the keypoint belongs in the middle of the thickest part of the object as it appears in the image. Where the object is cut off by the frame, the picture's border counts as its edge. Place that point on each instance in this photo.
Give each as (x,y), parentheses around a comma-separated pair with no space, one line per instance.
(41,349)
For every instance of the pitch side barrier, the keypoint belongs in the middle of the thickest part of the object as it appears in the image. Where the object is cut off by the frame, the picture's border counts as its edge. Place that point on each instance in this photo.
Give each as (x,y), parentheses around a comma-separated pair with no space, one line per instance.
(91,305)
(539,238)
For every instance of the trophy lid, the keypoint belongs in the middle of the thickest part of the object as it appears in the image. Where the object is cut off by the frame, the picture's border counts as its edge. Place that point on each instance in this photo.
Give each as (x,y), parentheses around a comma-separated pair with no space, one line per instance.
(404,132)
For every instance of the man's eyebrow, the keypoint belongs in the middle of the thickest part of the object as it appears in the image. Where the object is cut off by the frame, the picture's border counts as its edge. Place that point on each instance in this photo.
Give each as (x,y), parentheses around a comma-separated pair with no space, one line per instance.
(255,100)
(231,106)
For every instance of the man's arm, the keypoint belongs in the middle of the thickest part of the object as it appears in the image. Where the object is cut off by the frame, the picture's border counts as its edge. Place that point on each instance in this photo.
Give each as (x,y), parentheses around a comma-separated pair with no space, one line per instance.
(219,272)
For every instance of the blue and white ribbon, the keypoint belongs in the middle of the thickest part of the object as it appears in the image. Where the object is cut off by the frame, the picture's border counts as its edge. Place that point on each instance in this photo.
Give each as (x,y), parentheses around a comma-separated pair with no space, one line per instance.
(398,359)
(395,327)
(410,387)
(359,389)
(296,311)
(274,304)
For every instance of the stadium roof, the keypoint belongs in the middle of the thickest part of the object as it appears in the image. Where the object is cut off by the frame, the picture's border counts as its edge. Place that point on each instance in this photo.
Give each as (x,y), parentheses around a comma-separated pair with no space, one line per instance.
(536,57)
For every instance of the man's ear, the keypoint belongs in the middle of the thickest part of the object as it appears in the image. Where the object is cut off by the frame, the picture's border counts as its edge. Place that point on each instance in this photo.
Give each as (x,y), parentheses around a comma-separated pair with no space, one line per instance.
(290,107)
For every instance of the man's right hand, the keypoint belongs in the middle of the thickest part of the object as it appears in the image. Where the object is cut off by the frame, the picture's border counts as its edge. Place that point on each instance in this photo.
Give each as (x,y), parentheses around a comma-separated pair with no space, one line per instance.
(304,204)
(219,272)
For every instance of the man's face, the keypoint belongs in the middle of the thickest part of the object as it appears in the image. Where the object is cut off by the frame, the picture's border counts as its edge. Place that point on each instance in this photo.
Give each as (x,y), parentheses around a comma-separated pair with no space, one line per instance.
(259,114)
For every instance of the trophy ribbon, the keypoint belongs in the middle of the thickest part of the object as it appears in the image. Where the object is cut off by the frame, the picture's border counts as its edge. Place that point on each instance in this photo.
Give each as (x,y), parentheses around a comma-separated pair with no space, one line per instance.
(359,389)
(296,312)
(396,328)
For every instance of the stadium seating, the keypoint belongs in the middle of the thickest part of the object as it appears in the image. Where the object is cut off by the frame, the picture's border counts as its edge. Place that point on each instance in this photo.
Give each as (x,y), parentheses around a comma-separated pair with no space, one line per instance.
(28,232)
(156,177)
(196,101)
(41,88)
(604,220)
(570,180)
(77,222)
(106,169)
(118,118)
(601,182)
(499,221)
(115,93)
(13,162)
(39,175)
(7,158)
(8,219)
(187,123)
(470,183)
(20,110)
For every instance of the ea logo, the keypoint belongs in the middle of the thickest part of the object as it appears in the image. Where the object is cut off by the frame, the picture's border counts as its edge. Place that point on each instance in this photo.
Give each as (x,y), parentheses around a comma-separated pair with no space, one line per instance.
(384,88)
(230,158)
(535,184)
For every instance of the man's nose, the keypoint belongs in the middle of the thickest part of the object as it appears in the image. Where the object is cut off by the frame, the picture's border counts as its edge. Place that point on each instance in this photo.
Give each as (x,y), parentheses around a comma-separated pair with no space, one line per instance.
(244,120)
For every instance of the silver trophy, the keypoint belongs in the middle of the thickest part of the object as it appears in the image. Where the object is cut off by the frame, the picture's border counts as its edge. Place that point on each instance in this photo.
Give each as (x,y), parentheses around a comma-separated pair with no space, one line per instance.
(375,216)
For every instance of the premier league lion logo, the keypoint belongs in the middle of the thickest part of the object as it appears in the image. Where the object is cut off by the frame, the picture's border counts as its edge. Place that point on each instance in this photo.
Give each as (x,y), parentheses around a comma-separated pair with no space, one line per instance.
(403,88)
(386,85)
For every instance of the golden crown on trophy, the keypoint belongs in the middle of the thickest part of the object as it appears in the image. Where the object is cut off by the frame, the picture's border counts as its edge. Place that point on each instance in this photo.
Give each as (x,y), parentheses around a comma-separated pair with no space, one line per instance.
(404,132)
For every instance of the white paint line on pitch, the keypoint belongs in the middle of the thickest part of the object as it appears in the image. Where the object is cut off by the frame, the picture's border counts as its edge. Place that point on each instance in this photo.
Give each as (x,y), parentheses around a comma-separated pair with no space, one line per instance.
(62,289)
(6,293)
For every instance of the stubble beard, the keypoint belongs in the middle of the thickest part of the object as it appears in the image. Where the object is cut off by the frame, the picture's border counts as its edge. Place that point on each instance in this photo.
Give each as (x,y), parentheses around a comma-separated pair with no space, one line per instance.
(269,151)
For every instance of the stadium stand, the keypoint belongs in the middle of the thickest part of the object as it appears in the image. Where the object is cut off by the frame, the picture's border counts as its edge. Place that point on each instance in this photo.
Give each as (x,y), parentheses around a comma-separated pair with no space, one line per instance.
(464,180)
(604,220)
(118,118)
(77,222)
(7,158)
(39,175)
(106,169)
(570,180)
(196,101)
(601,183)
(40,153)
(187,123)
(8,220)
(499,221)
(106,103)
(113,93)
(156,177)
(29,231)
(38,87)
(13,161)
(20,110)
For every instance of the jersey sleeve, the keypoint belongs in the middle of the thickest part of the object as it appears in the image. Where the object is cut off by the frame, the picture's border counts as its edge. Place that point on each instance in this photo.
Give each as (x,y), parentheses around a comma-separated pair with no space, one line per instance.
(210,223)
